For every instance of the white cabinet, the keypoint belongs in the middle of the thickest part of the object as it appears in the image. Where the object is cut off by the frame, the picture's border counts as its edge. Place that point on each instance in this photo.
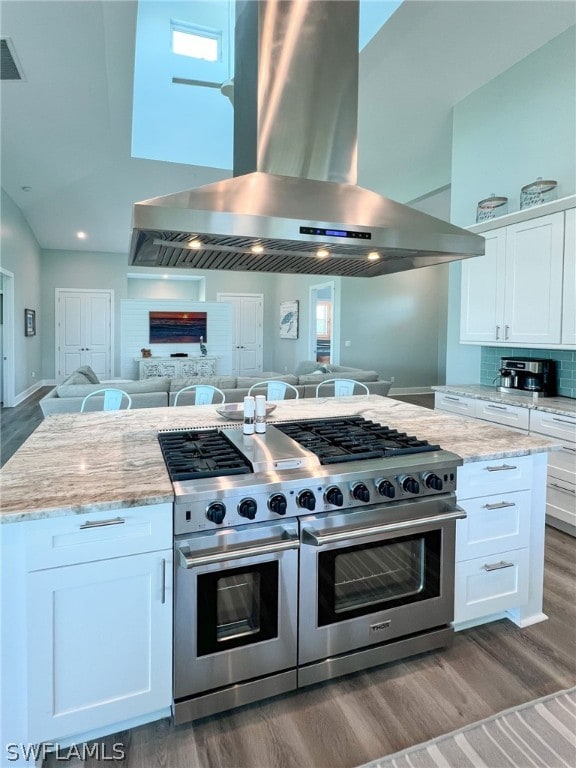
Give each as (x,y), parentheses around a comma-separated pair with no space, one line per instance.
(513,416)
(561,485)
(500,543)
(569,296)
(99,638)
(482,292)
(465,406)
(176,367)
(513,294)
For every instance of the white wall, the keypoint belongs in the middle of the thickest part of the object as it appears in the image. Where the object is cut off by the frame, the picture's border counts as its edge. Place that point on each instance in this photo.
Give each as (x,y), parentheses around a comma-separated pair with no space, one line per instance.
(134,322)
(517,127)
(21,256)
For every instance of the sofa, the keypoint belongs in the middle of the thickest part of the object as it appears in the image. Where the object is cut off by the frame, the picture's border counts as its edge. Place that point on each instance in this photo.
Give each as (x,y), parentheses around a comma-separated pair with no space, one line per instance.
(161,391)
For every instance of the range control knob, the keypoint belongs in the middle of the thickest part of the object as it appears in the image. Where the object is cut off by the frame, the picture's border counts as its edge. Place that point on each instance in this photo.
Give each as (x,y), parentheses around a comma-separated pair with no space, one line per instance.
(277,503)
(386,488)
(306,500)
(433,482)
(216,512)
(247,508)
(360,492)
(335,496)
(410,484)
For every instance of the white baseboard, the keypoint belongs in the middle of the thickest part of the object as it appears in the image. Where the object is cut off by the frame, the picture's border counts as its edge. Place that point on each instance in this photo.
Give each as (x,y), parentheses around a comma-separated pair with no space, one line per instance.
(411,391)
(21,396)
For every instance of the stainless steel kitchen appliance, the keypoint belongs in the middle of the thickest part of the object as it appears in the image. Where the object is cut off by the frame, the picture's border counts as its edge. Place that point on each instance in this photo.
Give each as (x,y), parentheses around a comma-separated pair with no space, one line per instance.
(528,374)
(318,548)
(293,205)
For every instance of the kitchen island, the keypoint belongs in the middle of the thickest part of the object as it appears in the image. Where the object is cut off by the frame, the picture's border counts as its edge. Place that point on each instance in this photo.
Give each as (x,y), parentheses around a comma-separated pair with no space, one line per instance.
(87,513)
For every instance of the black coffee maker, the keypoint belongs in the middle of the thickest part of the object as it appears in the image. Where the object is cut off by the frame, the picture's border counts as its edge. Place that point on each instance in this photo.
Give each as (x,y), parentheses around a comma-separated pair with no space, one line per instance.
(528,374)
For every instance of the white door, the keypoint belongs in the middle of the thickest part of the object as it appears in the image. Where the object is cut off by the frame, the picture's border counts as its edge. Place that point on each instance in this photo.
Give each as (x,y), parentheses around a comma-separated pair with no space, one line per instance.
(533,294)
(247,332)
(103,650)
(84,332)
(482,291)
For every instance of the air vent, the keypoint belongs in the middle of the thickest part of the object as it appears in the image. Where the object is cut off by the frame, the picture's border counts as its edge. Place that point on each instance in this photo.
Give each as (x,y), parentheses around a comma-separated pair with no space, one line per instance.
(9,65)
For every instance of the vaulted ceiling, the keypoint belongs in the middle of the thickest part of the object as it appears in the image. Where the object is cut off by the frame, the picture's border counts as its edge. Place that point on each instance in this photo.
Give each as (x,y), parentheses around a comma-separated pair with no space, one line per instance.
(66,128)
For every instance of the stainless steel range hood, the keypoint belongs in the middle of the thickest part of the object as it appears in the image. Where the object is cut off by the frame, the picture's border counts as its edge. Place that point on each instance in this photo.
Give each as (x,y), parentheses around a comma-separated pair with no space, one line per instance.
(293,206)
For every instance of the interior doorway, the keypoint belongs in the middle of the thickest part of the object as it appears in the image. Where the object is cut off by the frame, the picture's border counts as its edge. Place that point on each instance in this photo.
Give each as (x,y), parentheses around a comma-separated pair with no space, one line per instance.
(7,371)
(247,332)
(324,337)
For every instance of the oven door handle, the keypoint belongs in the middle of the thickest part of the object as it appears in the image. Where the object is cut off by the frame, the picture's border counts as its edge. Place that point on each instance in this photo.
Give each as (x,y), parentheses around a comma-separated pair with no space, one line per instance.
(187,560)
(320,539)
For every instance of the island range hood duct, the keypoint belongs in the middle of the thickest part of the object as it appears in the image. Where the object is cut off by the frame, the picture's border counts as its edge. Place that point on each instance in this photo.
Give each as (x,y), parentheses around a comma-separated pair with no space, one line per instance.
(293,205)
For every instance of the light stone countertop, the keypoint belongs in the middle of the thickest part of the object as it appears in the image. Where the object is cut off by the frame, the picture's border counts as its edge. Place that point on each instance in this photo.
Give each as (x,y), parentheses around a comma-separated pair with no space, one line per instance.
(563,406)
(78,463)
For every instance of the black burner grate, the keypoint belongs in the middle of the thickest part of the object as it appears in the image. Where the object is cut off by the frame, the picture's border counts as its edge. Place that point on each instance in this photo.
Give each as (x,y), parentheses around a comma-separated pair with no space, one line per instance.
(351,439)
(191,455)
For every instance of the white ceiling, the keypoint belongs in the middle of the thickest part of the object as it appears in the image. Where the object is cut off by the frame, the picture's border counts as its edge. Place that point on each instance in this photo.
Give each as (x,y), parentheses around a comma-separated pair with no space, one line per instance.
(66,129)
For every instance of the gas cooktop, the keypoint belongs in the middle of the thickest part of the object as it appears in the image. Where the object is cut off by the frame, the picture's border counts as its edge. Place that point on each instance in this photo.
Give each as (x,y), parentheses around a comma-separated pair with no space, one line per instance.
(221,476)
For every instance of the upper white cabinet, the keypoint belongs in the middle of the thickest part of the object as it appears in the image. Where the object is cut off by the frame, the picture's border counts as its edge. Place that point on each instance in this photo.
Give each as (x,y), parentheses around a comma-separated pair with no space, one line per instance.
(569,298)
(520,292)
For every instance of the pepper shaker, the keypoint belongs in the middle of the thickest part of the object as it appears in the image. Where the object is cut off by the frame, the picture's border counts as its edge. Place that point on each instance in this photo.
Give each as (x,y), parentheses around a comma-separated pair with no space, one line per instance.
(260,414)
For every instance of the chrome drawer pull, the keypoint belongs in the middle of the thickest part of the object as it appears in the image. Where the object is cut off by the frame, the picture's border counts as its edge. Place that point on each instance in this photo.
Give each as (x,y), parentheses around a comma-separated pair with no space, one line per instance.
(563,421)
(567,448)
(497,332)
(500,505)
(456,399)
(498,407)
(561,488)
(497,566)
(501,468)
(101,523)
(163,580)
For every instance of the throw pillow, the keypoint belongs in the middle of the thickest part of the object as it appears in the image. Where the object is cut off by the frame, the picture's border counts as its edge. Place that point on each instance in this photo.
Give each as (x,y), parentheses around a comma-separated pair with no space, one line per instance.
(77,377)
(89,373)
(305,367)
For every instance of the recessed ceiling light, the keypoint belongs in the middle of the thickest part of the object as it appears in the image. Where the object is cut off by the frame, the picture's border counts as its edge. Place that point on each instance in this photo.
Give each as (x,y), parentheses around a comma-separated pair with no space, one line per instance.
(257,249)
(373,256)
(322,253)
(81,235)
(26,189)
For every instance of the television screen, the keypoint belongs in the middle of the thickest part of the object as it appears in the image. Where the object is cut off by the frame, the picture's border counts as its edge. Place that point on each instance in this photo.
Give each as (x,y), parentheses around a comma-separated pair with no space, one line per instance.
(177,327)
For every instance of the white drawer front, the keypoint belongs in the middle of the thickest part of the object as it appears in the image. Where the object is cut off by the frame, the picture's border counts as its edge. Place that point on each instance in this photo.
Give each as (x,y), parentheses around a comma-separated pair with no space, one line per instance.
(484,478)
(488,585)
(562,464)
(507,415)
(561,501)
(493,524)
(455,404)
(97,536)
(553,425)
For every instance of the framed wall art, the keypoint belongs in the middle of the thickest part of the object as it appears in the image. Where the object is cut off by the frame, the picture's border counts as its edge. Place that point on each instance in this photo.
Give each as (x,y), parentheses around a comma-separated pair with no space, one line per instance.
(29,322)
(289,320)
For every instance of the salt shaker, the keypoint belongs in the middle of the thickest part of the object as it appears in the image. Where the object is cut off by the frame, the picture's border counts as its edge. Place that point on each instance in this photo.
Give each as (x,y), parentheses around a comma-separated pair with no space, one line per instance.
(249,407)
(260,411)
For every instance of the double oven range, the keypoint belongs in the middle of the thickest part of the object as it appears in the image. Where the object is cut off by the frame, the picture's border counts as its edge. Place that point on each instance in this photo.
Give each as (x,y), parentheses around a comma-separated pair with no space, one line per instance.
(318,548)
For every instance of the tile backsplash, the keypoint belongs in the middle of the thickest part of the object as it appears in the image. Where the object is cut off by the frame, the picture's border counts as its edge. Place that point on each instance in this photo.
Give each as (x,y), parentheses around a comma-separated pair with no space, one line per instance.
(565,359)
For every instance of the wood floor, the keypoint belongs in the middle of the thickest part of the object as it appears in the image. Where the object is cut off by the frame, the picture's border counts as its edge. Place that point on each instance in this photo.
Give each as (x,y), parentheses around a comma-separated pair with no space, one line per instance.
(18,423)
(362,717)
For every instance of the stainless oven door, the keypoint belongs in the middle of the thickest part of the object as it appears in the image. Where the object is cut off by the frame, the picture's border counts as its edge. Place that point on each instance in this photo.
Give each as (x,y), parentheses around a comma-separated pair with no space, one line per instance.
(380,573)
(235,605)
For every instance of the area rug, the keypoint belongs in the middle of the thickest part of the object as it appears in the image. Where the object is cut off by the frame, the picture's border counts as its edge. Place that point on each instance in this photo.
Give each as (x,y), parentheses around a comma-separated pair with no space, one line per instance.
(539,734)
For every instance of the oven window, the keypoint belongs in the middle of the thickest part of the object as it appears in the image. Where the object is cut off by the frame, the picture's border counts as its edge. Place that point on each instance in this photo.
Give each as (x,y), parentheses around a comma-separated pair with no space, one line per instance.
(237,607)
(363,579)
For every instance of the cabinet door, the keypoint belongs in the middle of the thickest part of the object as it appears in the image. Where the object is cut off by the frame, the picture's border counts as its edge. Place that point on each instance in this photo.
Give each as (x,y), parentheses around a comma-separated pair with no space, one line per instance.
(482,291)
(533,280)
(569,298)
(99,644)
